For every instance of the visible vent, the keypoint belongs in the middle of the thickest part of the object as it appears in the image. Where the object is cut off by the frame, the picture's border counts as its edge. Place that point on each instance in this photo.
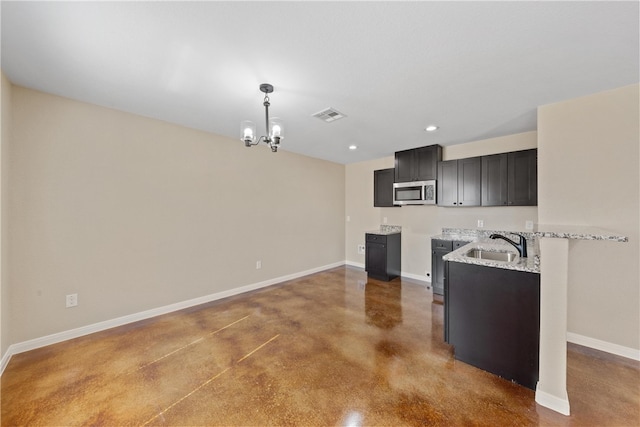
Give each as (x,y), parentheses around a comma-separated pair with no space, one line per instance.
(329,115)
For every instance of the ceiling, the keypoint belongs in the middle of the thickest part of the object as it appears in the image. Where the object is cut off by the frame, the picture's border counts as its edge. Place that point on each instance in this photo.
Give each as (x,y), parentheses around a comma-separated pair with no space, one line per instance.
(476,69)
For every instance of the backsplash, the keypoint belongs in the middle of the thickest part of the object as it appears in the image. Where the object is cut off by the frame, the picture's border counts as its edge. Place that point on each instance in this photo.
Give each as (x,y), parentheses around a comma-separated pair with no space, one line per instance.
(478,234)
(390,228)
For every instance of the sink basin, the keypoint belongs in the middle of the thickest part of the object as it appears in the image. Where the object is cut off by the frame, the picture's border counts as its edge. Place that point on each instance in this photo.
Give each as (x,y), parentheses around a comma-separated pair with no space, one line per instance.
(492,255)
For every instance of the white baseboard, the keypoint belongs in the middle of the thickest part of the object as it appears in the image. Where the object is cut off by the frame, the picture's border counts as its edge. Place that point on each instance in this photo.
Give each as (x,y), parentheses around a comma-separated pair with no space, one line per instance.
(619,350)
(424,279)
(120,321)
(5,359)
(550,401)
(417,277)
(354,264)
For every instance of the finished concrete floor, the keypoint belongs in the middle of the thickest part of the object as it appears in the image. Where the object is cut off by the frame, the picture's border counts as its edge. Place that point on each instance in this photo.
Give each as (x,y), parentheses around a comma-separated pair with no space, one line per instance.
(332,348)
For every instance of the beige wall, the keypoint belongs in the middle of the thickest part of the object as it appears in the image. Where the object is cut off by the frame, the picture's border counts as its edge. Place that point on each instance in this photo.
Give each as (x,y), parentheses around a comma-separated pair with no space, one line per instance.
(588,162)
(134,214)
(419,223)
(5,124)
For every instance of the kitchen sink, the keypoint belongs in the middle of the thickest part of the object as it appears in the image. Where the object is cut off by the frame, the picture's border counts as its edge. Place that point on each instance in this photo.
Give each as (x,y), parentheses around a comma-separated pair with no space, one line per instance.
(492,255)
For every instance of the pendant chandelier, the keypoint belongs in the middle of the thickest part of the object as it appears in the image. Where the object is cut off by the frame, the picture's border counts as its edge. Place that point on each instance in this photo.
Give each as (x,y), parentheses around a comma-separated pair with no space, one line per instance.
(274,126)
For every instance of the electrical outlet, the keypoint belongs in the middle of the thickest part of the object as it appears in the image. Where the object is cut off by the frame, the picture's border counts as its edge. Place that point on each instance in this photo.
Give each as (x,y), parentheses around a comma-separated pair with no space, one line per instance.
(528,225)
(480,223)
(361,249)
(72,300)
(258,265)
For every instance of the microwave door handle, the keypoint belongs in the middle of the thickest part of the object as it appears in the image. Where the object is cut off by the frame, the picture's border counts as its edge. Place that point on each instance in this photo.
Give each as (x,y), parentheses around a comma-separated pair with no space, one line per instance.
(423,192)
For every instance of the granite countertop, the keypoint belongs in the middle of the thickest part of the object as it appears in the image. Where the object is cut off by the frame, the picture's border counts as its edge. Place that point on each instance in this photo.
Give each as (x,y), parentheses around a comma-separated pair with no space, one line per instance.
(385,230)
(575,232)
(479,239)
(453,237)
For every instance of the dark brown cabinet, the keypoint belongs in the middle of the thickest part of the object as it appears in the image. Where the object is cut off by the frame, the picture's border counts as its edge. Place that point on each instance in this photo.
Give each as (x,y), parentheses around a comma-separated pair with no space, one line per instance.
(440,248)
(523,178)
(510,179)
(492,319)
(383,188)
(459,182)
(417,164)
(382,256)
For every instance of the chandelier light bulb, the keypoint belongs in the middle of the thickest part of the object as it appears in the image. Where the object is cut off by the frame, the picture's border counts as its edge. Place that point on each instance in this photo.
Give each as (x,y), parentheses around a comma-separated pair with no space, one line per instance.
(277,129)
(248,132)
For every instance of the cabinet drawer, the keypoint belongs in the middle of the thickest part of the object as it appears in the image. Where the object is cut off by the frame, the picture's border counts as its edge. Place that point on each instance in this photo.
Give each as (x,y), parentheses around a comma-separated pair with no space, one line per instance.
(376,238)
(437,244)
(457,244)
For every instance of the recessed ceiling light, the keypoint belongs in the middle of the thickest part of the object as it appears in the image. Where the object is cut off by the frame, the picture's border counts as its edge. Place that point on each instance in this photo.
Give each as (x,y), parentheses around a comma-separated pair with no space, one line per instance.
(353,147)
(431,128)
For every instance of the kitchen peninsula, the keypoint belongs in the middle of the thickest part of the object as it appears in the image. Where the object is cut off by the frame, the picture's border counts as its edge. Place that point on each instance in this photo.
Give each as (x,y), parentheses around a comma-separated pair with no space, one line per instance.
(551,245)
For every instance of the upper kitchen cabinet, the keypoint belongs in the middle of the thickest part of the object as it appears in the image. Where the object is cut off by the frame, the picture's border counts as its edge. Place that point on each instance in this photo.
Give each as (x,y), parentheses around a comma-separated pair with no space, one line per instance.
(418,164)
(459,182)
(383,188)
(510,179)
(523,178)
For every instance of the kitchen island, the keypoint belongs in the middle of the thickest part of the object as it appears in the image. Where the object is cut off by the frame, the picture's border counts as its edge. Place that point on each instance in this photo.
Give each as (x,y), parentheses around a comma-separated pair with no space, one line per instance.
(492,308)
(552,245)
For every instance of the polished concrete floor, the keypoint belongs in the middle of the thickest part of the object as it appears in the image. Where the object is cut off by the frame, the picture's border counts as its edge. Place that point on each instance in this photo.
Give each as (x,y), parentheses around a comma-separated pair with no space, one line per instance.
(332,348)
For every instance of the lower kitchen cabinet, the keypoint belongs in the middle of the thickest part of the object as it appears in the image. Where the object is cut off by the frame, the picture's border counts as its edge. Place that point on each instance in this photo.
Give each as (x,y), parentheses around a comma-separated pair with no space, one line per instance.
(439,248)
(492,319)
(382,256)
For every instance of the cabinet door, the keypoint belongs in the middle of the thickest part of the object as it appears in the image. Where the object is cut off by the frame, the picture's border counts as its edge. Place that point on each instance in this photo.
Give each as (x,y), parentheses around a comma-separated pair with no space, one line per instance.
(523,178)
(437,270)
(494,320)
(426,160)
(376,258)
(469,178)
(494,180)
(448,183)
(404,166)
(383,188)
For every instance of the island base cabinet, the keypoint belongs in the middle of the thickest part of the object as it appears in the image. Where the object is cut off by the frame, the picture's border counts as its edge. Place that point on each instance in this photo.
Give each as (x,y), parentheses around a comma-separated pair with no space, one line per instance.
(492,319)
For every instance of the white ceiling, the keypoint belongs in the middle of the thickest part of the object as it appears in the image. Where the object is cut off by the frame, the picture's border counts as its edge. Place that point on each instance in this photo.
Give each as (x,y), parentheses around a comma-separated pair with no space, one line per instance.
(476,69)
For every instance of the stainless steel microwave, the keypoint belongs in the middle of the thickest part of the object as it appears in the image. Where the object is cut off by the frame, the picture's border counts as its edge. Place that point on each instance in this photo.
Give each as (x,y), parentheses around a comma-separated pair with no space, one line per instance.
(414,193)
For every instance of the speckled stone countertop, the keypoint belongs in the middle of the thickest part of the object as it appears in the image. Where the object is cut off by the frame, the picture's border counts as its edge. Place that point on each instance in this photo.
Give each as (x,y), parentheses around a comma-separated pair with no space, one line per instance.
(541,230)
(577,232)
(479,239)
(386,229)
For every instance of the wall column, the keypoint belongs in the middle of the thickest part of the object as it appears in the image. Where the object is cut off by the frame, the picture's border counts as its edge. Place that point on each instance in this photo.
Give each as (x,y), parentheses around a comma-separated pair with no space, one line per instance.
(551,390)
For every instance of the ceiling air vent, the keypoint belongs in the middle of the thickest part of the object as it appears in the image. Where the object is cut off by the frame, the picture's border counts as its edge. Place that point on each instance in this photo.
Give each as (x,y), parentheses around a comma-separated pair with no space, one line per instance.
(329,115)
